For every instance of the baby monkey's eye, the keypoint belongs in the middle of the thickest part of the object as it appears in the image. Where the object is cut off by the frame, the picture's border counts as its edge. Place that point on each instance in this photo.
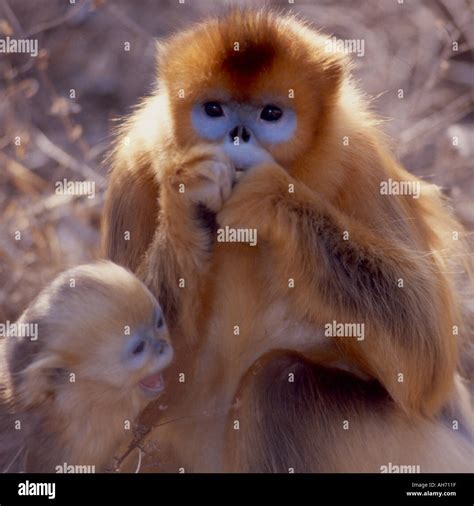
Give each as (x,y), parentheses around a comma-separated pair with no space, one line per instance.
(213,109)
(139,348)
(271,113)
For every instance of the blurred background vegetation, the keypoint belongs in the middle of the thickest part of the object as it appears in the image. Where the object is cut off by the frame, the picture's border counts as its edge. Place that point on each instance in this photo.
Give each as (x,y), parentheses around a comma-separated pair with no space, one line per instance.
(57,110)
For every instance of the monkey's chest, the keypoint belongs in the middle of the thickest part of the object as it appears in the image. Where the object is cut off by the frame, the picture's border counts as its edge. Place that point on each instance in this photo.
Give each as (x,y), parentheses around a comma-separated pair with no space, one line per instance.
(250,314)
(247,318)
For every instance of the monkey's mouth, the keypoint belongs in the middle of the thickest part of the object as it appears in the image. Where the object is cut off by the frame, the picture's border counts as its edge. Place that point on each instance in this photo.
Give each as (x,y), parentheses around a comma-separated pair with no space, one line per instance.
(153,384)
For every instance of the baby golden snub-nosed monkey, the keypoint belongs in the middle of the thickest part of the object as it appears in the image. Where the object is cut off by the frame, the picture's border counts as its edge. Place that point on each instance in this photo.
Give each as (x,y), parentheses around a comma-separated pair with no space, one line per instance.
(86,358)
(256,127)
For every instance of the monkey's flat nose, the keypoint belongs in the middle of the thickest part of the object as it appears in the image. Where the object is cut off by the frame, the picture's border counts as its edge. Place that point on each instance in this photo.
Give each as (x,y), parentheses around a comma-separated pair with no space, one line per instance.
(239,132)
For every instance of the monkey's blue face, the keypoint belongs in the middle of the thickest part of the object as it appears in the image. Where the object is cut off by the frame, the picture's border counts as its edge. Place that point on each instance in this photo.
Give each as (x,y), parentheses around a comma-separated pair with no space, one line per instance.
(245,131)
(146,353)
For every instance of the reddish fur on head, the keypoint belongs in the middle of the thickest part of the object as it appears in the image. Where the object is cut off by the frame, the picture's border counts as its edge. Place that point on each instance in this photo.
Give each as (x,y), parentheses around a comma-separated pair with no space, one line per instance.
(250,55)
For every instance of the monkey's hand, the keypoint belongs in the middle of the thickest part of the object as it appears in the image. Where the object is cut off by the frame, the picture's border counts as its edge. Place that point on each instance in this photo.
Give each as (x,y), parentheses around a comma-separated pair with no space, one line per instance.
(254,200)
(182,244)
(204,176)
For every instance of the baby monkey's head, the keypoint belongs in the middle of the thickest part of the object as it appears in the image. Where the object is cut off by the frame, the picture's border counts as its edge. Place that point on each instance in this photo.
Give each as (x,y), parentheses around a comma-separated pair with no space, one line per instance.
(100,329)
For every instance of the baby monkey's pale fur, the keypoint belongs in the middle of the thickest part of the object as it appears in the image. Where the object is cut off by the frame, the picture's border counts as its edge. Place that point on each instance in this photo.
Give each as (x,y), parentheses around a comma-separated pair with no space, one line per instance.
(68,397)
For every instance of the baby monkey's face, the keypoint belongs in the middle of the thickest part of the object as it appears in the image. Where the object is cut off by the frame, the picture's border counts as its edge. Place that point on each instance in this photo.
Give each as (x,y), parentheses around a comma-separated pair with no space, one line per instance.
(128,338)
(145,353)
(100,331)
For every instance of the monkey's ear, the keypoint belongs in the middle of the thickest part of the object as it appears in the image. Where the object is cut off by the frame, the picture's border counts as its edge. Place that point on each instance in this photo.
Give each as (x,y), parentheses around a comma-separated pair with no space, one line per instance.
(40,378)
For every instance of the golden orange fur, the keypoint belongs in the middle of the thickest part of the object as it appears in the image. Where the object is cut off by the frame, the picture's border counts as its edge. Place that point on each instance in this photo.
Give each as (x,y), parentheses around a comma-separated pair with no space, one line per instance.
(331,420)
(330,247)
(67,397)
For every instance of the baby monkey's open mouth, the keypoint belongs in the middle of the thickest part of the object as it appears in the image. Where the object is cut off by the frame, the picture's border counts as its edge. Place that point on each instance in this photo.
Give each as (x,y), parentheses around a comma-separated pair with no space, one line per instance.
(153,384)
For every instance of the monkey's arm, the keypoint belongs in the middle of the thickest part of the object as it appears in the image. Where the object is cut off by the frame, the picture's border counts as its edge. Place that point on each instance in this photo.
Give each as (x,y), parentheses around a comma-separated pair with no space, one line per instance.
(170,234)
(130,213)
(342,270)
(177,259)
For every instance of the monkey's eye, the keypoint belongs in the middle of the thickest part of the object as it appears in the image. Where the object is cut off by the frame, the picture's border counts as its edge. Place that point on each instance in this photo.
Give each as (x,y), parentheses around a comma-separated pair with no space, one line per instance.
(213,109)
(271,113)
(139,348)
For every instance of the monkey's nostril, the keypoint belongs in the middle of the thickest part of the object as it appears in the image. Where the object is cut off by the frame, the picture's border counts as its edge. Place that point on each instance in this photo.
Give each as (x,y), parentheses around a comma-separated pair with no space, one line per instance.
(234,133)
(239,132)
(161,346)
